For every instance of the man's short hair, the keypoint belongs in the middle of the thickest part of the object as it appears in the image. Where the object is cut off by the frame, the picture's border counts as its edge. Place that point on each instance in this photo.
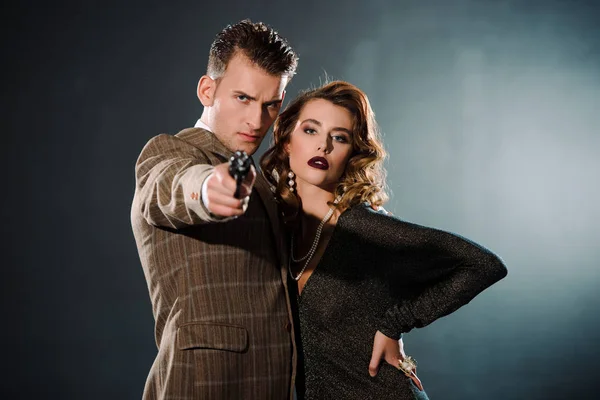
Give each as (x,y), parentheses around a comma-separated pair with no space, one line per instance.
(262,45)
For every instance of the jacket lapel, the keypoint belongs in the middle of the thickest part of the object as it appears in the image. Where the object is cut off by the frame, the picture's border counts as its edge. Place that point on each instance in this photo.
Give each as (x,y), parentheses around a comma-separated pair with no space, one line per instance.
(202,138)
(264,191)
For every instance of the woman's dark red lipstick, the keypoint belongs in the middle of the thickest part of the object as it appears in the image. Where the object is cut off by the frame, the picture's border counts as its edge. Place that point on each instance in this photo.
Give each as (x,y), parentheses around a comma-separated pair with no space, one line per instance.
(319,162)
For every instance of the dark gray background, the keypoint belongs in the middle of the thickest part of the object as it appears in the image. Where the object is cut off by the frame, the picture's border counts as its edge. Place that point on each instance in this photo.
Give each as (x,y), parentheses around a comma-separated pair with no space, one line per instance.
(491,113)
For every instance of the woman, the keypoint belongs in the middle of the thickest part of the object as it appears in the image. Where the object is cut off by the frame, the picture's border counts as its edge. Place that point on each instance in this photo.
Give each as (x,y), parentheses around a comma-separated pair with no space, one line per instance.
(363,277)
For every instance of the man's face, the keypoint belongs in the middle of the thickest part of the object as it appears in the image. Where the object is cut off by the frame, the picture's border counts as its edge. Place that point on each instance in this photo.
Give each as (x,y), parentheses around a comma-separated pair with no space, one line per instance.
(241,106)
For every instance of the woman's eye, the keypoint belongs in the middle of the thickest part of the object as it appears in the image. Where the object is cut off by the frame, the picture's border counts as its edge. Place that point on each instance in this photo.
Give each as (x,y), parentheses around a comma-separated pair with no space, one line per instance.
(341,139)
(310,131)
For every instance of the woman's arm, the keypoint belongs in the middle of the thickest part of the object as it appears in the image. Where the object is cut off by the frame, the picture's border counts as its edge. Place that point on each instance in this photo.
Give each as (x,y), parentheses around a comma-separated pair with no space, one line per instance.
(441,270)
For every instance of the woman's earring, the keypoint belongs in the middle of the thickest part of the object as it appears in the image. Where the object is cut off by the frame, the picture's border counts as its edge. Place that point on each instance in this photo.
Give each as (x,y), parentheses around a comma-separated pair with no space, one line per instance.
(291,182)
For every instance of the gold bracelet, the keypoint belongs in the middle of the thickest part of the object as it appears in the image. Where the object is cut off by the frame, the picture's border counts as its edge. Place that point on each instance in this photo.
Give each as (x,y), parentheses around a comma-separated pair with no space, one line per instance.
(408,365)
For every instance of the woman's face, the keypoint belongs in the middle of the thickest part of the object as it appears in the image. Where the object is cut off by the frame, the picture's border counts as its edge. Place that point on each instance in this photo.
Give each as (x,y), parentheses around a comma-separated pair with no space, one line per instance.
(320,144)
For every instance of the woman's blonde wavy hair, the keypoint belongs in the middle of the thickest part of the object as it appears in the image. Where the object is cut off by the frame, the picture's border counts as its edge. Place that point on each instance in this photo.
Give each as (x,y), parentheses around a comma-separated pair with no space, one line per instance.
(364,177)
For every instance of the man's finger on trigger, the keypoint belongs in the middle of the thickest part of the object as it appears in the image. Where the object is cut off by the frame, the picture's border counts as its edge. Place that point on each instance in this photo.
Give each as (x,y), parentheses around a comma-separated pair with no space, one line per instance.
(245,190)
(229,184)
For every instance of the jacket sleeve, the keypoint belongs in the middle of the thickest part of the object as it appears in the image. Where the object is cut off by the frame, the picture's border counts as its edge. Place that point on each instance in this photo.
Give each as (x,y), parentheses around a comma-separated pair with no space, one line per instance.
(433,273)
(169,174)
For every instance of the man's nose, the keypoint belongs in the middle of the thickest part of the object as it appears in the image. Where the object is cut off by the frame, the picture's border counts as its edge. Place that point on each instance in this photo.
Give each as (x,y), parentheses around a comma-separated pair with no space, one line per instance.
(255,117)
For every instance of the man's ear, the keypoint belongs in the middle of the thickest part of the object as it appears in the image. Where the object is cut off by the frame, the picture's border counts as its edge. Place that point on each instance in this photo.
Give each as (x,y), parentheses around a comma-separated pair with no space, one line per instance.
(206,90)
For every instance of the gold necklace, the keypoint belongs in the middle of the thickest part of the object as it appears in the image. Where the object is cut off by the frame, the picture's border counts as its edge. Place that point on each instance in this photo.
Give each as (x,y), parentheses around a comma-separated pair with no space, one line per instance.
(314,246)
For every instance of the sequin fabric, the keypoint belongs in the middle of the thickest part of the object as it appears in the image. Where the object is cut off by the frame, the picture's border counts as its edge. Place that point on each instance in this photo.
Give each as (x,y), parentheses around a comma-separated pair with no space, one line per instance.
(381,273)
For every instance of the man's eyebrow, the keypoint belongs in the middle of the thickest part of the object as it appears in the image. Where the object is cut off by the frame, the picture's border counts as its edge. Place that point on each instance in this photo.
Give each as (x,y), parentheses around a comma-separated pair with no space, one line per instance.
(240,93)
(275,101)
(251,98)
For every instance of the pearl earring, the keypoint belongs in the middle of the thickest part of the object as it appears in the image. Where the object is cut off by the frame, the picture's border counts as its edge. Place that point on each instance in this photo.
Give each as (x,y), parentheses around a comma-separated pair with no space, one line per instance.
(291,182)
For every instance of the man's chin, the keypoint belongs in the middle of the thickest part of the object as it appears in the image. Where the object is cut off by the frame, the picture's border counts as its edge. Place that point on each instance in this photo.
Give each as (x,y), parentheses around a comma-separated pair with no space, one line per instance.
(248,147)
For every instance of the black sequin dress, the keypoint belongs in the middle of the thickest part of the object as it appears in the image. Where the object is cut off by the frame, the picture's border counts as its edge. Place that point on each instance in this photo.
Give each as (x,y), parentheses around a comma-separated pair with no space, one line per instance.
(380,273)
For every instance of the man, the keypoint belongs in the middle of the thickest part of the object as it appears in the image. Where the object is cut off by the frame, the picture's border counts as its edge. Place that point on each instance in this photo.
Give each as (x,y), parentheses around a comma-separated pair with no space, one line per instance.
(215,264)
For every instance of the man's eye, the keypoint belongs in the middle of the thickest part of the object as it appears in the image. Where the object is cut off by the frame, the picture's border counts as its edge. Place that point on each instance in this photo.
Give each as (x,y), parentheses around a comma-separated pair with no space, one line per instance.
(242,98)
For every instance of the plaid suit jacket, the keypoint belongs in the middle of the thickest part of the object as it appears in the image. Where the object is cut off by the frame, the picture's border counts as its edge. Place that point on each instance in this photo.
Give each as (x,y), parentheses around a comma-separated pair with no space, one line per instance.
(218,286)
